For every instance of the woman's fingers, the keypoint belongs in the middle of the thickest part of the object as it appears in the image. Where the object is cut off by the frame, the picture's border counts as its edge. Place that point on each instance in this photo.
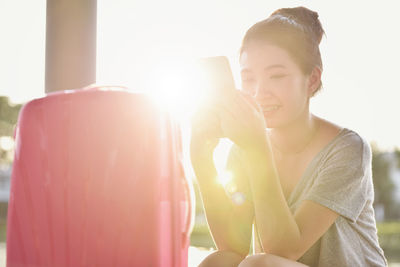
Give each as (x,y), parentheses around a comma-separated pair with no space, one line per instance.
(242,107)
(232,106)
(236,116)
(206,122)
(226,117)
(248,102)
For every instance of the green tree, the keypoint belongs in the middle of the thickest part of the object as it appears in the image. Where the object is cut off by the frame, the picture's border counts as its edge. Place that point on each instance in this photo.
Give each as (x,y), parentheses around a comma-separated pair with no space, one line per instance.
(383,184)
(397,154)
(8,118)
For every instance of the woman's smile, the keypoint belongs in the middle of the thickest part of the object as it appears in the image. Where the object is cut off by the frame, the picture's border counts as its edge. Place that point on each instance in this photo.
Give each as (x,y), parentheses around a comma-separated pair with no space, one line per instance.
(269,110)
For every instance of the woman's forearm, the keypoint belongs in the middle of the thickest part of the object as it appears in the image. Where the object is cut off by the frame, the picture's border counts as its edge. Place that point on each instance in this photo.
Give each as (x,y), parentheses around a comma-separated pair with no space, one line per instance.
(230,224)
(278,230)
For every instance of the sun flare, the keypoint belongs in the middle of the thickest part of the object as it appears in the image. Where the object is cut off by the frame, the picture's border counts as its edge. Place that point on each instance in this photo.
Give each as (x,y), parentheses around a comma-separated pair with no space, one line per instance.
(224,178)
(178,88)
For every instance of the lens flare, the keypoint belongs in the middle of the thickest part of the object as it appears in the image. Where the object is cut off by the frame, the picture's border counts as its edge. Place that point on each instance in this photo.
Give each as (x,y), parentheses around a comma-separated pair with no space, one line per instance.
(177,88)
(225,178)
(181,87)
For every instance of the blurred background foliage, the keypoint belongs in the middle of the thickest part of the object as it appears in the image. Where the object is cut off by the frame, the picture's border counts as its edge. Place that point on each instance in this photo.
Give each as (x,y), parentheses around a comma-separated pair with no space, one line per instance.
(385,167)
(8,119)
(383,164)
(8,116)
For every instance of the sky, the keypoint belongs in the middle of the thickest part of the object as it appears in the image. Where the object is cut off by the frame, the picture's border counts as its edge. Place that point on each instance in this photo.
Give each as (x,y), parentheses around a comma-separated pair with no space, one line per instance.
(360,51)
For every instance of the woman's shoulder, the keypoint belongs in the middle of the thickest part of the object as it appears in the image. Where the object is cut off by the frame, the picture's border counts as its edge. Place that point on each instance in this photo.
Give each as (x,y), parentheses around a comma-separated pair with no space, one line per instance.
(344,142)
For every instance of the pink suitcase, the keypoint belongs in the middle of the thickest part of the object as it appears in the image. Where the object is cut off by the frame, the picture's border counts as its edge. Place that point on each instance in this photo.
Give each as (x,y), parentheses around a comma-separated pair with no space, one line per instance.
(97,180)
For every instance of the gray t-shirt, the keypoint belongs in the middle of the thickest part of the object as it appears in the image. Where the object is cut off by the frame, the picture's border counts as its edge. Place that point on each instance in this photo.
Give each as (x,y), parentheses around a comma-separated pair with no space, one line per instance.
(340,178)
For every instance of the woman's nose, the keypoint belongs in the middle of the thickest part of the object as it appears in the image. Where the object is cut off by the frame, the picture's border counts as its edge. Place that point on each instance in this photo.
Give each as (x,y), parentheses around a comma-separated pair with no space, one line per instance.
(263,90)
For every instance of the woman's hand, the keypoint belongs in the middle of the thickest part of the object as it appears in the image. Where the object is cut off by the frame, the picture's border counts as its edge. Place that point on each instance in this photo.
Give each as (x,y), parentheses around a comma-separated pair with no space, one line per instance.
(242,121)
(230,224)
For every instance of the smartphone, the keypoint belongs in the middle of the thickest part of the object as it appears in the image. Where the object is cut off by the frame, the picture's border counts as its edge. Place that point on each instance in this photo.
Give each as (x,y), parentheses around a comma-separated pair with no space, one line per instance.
(217,76)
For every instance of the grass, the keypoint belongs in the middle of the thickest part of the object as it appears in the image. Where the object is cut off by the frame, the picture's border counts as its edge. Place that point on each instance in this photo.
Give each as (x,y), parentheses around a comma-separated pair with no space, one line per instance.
(3,230)
(201,237)
(389,239)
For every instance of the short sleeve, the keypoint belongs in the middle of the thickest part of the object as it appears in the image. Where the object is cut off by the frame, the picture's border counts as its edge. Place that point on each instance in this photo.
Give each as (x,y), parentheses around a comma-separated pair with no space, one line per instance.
(342,178)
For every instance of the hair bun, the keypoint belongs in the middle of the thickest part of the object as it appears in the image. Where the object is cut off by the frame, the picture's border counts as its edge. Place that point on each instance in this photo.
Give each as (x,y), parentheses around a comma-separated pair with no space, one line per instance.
(306,17)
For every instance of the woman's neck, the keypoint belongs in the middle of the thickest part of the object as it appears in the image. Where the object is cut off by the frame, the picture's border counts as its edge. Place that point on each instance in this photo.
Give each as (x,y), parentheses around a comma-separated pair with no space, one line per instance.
(295,137)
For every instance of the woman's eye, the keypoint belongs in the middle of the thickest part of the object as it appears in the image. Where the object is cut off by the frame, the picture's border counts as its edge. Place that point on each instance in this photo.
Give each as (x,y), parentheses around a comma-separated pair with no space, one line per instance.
(277,76)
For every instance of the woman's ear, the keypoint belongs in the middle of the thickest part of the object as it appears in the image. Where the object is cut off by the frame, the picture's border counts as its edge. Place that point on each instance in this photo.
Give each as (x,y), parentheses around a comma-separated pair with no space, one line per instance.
(314,80)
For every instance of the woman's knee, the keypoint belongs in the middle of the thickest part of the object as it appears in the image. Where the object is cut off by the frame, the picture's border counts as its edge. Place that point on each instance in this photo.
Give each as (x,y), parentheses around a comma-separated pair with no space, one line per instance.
(255,261)
(268,260)
(222,259)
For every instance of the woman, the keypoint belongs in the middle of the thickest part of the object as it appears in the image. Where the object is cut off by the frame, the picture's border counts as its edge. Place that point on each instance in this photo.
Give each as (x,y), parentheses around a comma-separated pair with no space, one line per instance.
(304,182)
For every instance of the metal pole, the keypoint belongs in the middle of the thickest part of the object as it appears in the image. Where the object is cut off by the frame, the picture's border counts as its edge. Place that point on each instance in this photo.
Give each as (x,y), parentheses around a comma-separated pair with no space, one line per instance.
(70,44)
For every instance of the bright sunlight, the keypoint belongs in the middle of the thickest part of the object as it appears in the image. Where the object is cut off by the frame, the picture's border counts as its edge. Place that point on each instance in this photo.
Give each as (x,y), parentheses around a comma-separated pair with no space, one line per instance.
(181,87)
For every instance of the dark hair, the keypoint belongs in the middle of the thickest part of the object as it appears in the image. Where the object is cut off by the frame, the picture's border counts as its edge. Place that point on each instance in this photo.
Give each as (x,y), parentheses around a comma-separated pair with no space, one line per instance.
(297,30)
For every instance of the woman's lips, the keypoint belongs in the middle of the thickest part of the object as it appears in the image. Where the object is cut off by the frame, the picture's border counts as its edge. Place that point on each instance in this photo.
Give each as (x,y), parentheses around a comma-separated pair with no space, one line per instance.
(270,109)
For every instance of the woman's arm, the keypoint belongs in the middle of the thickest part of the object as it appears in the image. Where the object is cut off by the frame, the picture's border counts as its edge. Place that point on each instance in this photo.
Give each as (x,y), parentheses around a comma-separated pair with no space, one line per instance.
(281,232)
(230,224)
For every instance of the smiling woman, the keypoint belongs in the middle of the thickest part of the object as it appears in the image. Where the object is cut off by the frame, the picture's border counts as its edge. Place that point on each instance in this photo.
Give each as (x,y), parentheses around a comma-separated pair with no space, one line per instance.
(307,182)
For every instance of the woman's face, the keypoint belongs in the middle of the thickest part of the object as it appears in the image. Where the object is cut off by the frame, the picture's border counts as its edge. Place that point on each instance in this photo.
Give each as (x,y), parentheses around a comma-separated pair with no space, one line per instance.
(278,84)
